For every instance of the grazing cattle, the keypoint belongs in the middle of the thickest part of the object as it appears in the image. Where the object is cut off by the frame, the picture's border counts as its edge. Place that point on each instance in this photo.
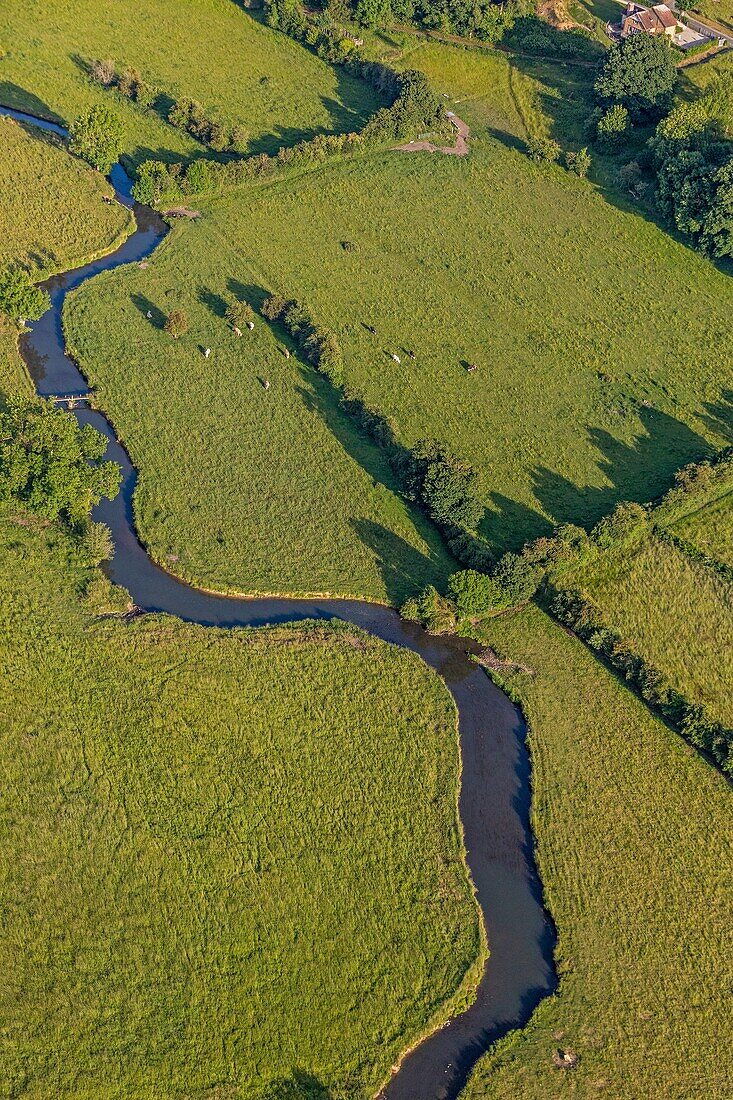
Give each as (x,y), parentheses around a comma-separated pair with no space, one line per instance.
(149,315)
(266,383)
(250,325)
(412,355)
(286,353)
(207,353)
(237,331)
(371,329)
(396,358)
(472,367)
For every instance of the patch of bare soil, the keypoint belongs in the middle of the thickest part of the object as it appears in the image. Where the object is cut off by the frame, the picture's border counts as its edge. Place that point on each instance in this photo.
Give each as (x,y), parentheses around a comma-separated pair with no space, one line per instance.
(460,149)
(181,212)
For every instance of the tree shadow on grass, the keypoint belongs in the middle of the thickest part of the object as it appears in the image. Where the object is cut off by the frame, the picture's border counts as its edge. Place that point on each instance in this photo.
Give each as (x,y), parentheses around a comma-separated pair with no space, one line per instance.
(248,292)
(404,570)
(299,1086)
(143,305)
(718,415)
(508,524)
(214,302)
(12,95)
(323,398)
(639,471)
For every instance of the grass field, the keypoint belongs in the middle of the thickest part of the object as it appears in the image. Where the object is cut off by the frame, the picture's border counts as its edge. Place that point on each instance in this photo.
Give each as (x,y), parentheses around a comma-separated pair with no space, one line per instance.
(210,50)
(674,612)
(633,834)
(282,494)
(580,398)
(710,529)
(228,855)
(51,218)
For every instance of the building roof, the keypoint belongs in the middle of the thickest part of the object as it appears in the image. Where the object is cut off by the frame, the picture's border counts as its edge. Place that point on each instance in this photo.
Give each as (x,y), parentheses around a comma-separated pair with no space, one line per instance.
(650,20)
(664,15)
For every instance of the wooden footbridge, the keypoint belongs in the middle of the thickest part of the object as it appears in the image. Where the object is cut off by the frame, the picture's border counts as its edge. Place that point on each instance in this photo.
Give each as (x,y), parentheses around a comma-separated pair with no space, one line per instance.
(70,400)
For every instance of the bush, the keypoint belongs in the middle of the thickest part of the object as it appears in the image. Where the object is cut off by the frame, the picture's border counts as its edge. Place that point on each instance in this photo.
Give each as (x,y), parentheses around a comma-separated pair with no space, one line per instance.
(273,308)
(578,163)
(103,72)
(98,137)
(517,577)
(176,323)
(129,82)
(20,298)
(239,313)
(433,611)
(612,126)
(543,150)
(154,182)
(52,464)
(626,524)
(475,594)
(97,544)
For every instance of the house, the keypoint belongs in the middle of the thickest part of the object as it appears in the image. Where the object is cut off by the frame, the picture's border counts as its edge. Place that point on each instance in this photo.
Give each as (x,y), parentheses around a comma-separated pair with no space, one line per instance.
(656,20)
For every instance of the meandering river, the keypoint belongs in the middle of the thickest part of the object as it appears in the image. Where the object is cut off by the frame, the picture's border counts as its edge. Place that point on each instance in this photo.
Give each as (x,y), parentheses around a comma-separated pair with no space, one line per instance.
(495,792)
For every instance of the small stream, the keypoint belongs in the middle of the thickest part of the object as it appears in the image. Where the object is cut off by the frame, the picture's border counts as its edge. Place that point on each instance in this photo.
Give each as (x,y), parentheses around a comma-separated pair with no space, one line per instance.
(495,788)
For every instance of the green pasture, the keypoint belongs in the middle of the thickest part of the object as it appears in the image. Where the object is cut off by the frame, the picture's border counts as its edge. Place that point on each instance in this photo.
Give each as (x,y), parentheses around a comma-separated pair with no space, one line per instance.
(210,50)
(52,215)
(52,218)
(674,612)
(230,857)
(241,487)
(710,529)
(633,839)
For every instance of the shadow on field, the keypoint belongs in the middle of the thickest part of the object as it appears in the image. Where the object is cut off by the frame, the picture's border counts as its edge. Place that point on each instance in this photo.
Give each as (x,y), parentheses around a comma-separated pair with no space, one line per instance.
(212,301)
(403,568)
(301,1086)
(718,415)
(248,292)
(638,471)
(145,306)
(12,95)
(508,524)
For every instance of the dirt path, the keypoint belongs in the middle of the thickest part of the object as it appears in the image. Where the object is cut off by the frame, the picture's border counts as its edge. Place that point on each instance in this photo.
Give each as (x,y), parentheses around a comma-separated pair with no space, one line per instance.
(460,149)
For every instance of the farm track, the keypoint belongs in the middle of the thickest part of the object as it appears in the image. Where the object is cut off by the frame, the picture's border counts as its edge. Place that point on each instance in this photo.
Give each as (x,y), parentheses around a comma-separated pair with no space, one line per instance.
(495,794)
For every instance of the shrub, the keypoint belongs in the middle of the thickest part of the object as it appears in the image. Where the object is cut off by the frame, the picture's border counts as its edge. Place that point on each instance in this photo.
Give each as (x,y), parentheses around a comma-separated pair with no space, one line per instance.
(475,594)
(239,313)
(199,178)
(129,82)
(612,125)
(446,486)
(20,298)
(626,524)
(579,163)
(176,323)
(154,182)
(543,150)
(273,308)
(51,463)
(103,72)
(517,577)
(98,137)
(433,611)
(97,544)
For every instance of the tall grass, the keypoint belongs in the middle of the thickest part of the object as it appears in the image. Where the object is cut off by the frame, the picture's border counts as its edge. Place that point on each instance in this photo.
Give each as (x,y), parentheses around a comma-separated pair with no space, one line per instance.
(228,855)
(633,836)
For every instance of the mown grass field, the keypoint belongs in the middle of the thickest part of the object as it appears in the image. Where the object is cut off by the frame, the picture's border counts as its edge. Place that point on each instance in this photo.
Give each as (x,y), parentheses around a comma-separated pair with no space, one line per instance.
(710,529)
(634,844)
(228,855)
(674,612)
(52,218)
(211,50)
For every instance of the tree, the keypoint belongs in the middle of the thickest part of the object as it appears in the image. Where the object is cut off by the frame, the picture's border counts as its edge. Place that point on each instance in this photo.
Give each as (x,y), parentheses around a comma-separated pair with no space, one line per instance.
(154,182)
(176,323)
(543,150)
(638,72)
(20,298)
(612,125)
(239,313)
(51,463)
(579,163)
(273,308)
(475,594)
(98,137)
(373,13)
